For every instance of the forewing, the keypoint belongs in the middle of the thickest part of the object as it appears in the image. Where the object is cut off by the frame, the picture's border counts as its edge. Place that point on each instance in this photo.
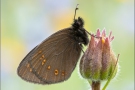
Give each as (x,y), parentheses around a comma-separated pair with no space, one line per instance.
(53,60)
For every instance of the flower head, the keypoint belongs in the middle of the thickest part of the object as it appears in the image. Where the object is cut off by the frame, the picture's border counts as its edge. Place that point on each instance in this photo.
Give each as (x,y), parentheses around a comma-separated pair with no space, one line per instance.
(98,61)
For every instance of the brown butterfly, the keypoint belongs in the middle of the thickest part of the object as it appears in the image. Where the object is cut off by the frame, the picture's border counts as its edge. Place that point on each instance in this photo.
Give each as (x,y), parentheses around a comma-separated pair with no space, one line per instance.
(54,59)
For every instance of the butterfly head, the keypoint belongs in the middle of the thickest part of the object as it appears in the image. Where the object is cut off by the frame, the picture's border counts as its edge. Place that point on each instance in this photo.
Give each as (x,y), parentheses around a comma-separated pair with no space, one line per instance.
(78,23)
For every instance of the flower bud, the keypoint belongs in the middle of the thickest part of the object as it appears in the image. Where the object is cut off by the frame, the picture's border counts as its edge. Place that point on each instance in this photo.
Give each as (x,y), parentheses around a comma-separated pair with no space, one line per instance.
(98,61)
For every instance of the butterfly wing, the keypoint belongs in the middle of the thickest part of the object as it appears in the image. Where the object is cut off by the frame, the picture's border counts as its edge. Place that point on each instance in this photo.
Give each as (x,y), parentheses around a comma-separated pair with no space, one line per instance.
(24,70)
(53,60)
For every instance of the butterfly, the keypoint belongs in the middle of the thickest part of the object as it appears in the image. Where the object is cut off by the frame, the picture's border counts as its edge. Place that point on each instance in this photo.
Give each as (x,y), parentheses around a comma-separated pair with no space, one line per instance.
(54,59)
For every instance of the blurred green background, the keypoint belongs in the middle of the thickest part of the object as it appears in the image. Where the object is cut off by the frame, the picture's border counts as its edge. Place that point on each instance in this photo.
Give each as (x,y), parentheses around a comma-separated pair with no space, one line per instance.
(25,23)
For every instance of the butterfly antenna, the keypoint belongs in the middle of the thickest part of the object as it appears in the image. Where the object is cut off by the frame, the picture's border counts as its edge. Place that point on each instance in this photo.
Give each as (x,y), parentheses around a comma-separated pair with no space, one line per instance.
(92,34)
(76,10)
(88,32)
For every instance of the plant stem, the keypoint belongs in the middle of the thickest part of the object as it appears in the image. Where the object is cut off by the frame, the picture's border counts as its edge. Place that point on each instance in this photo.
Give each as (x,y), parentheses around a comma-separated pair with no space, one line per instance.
(95,85)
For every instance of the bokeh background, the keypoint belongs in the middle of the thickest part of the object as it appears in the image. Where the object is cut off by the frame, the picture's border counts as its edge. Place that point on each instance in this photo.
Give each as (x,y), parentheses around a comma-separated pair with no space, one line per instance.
(25,23)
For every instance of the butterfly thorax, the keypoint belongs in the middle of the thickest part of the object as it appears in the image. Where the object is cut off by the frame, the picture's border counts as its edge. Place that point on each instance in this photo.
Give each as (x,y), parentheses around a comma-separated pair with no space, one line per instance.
(79,32)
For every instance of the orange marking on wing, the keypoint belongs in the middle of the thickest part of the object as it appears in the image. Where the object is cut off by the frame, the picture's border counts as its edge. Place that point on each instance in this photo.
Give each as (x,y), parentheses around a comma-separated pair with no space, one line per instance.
(56,72)
(43,56)
(43,62)
(30,70)
(63,73)
(49,67)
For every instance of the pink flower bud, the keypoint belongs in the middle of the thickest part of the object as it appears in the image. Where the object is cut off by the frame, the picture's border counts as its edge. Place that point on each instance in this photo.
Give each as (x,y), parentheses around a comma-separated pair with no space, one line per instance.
(98,61)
